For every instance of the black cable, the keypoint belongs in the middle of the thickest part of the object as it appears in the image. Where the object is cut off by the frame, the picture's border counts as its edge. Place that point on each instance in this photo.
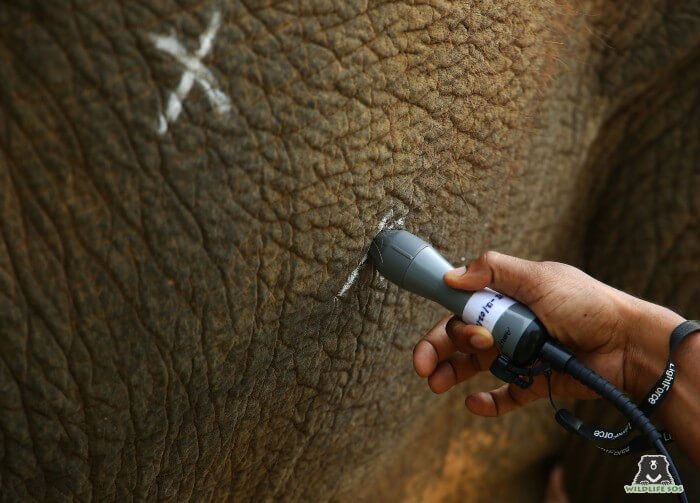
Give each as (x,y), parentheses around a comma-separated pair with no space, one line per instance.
(606,390)
(563,361)
(672,467)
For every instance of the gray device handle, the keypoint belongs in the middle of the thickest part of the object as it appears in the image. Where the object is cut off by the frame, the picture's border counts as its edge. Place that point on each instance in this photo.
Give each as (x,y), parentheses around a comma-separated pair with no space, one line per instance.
(412,264)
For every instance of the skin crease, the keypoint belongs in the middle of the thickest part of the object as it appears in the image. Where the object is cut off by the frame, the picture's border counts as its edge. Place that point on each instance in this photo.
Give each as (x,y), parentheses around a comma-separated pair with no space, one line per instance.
(176,320)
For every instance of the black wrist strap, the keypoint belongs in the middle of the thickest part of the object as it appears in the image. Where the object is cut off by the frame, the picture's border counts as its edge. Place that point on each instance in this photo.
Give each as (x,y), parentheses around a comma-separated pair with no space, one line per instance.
(659,391)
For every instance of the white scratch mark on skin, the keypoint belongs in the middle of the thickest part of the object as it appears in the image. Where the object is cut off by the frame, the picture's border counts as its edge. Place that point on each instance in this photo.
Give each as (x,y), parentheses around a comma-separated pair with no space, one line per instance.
(385,223)
(352,277)
(195,71)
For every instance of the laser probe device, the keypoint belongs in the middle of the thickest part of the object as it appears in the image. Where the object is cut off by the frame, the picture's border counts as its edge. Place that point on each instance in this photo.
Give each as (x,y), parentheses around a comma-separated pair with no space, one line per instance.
(526,349)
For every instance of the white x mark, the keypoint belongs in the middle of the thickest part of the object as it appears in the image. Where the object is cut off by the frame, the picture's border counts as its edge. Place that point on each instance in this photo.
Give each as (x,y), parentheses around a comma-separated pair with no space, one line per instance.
(194,71)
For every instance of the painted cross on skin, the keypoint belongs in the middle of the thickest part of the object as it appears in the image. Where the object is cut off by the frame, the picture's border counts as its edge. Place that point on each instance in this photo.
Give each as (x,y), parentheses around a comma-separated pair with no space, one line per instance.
(194,71)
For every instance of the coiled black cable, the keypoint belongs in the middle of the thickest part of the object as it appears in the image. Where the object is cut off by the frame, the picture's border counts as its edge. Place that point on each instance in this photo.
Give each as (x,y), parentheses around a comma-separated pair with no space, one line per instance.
(564,362)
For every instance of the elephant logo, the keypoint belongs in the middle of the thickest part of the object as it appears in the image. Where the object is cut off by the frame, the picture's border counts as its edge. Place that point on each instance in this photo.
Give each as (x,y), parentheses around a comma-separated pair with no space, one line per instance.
(653,469)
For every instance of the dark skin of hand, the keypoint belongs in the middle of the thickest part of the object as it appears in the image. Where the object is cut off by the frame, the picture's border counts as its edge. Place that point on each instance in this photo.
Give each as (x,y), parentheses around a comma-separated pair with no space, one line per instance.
(621,337)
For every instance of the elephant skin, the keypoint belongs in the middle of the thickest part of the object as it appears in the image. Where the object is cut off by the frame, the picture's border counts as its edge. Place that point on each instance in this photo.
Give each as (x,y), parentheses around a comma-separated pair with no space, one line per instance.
(188,191)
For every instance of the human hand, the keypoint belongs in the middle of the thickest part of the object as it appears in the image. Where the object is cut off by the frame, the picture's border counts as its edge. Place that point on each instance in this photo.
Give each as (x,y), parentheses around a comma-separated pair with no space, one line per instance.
(596,321)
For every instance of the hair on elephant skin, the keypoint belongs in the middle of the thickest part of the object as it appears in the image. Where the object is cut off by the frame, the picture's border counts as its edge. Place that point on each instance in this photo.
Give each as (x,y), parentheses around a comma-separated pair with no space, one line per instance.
(188,191)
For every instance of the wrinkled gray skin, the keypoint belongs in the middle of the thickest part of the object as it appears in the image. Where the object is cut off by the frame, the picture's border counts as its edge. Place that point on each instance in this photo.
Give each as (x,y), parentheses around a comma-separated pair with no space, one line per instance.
(171,318)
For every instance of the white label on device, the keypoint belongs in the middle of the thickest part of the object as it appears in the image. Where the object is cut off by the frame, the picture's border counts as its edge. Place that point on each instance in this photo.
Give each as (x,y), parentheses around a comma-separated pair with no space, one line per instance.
(485,307)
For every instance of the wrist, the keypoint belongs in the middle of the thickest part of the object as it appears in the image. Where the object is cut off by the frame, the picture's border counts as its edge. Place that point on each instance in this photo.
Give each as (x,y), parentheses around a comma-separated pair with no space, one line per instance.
(647,345)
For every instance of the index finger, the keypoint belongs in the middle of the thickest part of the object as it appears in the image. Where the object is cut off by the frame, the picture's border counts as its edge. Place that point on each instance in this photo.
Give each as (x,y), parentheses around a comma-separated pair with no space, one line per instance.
(433,348)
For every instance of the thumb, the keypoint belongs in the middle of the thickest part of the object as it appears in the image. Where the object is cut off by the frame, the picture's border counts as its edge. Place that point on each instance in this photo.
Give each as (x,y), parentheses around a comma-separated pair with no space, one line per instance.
(512,276)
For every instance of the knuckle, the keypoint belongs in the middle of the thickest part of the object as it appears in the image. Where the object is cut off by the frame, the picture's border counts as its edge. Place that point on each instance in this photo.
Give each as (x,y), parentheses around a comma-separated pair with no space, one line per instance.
(555,273)
(548,271)
(513,393)
(555,268)
(544,272)
(490,257)
(496,404)
(475,362)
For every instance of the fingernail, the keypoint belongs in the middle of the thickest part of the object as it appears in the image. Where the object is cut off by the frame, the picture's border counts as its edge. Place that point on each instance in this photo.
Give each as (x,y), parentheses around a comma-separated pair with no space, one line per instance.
(480,341)
(460,271)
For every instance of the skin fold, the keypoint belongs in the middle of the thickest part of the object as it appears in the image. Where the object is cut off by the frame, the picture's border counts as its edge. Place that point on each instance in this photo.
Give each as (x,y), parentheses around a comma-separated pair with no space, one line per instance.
(184,313)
